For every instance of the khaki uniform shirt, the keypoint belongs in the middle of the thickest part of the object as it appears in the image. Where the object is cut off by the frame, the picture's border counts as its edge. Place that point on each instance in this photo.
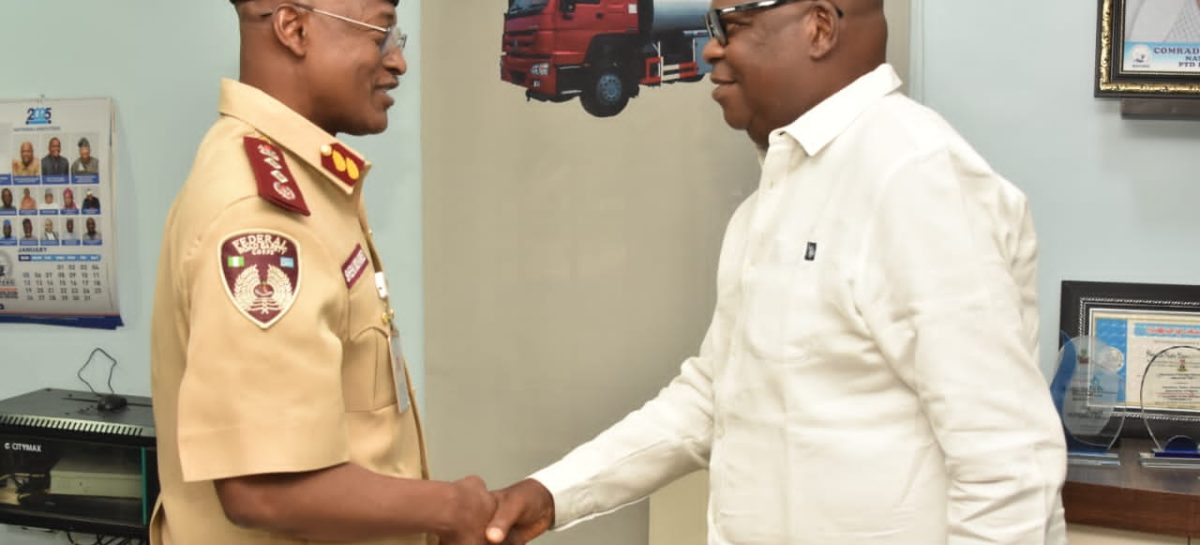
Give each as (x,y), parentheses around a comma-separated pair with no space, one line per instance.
(270,345)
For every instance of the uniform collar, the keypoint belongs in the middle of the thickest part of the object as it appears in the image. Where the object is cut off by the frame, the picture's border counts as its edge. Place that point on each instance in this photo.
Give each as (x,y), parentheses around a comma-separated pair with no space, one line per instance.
(290,130)
(821,125)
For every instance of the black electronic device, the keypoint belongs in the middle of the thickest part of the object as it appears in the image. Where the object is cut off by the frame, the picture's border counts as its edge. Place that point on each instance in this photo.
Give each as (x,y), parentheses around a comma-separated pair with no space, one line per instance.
(111,403)
(78,461)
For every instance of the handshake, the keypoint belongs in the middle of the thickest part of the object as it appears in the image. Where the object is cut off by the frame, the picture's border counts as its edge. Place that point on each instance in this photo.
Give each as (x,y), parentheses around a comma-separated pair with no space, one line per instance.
(512,516)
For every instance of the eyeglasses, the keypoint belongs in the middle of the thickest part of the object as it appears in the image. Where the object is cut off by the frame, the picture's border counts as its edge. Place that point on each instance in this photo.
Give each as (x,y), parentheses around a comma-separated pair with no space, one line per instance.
(393,37)
(716,26)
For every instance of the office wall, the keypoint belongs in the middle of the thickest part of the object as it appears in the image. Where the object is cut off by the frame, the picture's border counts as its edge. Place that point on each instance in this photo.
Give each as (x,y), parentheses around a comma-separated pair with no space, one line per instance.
(161,61)
(570,260)
(1113,199)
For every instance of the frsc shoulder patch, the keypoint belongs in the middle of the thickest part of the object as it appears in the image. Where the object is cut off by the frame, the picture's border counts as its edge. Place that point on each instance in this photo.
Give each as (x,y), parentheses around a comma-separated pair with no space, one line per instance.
(275,181)
(261,271)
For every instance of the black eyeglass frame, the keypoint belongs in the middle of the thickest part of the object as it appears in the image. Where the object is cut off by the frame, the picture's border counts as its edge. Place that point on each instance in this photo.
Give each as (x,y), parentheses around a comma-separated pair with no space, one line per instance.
(716,26)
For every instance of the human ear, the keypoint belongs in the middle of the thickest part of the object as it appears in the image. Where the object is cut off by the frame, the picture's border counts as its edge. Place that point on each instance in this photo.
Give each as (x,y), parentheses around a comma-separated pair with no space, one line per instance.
(290,29)
(824,30)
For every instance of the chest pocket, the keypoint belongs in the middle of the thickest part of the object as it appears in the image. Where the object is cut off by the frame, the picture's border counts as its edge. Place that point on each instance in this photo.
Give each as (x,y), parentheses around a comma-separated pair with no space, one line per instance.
(796,300)
(367,382)
(778,287)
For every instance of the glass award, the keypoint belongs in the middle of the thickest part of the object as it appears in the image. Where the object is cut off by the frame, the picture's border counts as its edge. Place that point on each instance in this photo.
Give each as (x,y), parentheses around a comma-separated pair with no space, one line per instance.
(1086,389)
(1169,406)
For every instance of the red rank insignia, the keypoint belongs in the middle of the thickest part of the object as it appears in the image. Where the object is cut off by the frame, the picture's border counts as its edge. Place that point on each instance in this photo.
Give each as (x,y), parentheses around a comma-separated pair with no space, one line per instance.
(261,270)
(342,163)
(274,178)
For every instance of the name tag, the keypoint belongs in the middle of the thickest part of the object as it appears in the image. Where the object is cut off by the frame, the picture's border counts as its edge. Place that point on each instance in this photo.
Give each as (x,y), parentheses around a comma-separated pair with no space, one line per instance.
(381,285)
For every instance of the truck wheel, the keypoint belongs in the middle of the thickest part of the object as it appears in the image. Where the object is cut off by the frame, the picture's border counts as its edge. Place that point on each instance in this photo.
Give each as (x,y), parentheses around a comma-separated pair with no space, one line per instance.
(606,93)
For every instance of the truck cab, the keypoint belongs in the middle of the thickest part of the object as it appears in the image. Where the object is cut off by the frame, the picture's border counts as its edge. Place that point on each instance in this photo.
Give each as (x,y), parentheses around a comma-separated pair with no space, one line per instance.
(599,50)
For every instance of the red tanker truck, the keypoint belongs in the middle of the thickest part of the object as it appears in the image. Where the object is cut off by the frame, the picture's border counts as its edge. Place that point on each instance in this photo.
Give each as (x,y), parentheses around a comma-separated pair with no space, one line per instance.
(602,51)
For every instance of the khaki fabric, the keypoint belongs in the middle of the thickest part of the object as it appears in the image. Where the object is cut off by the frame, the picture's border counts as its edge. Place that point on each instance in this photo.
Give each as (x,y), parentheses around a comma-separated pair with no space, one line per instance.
(234,396)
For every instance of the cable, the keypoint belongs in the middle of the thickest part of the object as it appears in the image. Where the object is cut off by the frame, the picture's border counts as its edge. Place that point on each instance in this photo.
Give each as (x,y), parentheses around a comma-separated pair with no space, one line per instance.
(112,367)
(105,540)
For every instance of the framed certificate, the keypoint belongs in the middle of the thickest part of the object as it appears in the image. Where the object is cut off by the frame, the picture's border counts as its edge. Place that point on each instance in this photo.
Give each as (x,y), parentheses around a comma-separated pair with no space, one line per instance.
(1142,322)
(1148,48)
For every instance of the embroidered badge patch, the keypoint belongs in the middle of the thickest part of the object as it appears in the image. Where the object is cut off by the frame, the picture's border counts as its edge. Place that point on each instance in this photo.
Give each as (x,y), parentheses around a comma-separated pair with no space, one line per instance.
(261,270)
(274,178)
(354,267)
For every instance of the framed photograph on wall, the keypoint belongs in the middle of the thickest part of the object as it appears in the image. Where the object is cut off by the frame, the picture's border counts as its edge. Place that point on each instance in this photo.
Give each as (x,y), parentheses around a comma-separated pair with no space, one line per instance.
(1148,324)
(1148,49)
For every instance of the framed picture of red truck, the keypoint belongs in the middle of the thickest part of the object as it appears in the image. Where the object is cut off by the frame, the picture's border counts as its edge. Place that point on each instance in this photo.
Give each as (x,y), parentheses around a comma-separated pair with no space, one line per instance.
(602,51)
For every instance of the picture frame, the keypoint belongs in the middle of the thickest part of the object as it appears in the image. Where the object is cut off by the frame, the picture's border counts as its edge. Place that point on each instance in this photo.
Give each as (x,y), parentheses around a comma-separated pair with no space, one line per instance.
(1133,318)
(1148,49)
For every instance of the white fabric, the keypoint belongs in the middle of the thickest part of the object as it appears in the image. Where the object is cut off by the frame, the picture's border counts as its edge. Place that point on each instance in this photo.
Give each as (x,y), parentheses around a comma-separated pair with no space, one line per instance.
(885,392)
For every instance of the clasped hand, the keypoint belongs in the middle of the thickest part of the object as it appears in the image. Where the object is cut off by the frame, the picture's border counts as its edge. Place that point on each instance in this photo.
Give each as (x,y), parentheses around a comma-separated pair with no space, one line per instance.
(512,516)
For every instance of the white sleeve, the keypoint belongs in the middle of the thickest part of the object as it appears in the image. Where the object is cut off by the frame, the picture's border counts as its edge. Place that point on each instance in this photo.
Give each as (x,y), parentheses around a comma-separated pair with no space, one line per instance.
(945,287)
(670,436)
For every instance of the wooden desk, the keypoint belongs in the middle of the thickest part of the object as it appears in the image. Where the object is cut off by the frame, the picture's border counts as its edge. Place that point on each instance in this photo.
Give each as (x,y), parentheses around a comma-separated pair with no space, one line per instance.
(1129,497)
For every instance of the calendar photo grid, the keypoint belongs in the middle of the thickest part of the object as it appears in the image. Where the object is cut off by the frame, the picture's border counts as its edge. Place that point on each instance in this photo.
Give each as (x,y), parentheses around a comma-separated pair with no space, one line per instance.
(57,249)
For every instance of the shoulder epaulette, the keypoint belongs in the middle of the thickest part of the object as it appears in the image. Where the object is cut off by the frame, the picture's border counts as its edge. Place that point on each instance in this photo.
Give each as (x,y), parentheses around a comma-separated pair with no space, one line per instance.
(342,164)
(274,178)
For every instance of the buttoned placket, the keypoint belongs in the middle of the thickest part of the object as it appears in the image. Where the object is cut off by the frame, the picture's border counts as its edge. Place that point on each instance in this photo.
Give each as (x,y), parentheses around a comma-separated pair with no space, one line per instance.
(388,316)
(400,377)
(776,164)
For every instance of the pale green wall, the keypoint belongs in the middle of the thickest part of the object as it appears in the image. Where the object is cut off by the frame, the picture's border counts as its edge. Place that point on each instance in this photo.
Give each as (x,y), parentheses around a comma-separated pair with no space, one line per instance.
(161,61)
(1113,199)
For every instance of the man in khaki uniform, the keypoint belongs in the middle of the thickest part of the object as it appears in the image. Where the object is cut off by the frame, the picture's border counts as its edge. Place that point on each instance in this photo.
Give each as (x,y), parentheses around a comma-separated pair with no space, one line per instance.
(283,411)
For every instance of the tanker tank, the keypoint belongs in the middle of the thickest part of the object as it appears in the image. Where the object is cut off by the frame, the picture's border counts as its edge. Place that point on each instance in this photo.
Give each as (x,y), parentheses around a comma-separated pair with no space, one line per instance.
(667,16)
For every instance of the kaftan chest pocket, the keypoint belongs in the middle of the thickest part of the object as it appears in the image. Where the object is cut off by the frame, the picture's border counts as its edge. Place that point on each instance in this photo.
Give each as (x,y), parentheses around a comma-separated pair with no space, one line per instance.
(367,383)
